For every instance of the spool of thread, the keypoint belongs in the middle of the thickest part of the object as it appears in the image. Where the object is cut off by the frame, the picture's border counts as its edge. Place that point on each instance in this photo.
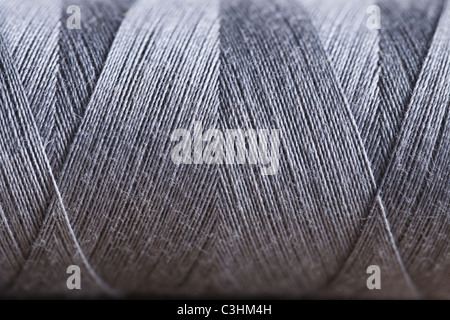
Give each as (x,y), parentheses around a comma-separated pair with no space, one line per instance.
(285,148)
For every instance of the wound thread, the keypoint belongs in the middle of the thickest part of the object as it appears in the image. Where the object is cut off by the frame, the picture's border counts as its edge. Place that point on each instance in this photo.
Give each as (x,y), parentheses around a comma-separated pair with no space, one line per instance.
(217,148)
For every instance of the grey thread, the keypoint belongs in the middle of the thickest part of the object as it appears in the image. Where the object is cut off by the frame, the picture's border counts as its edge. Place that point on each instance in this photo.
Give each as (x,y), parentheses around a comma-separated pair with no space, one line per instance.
(86,176)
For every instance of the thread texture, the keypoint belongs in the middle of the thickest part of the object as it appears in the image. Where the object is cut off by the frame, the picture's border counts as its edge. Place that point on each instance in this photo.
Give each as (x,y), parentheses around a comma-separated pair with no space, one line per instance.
(86,176)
